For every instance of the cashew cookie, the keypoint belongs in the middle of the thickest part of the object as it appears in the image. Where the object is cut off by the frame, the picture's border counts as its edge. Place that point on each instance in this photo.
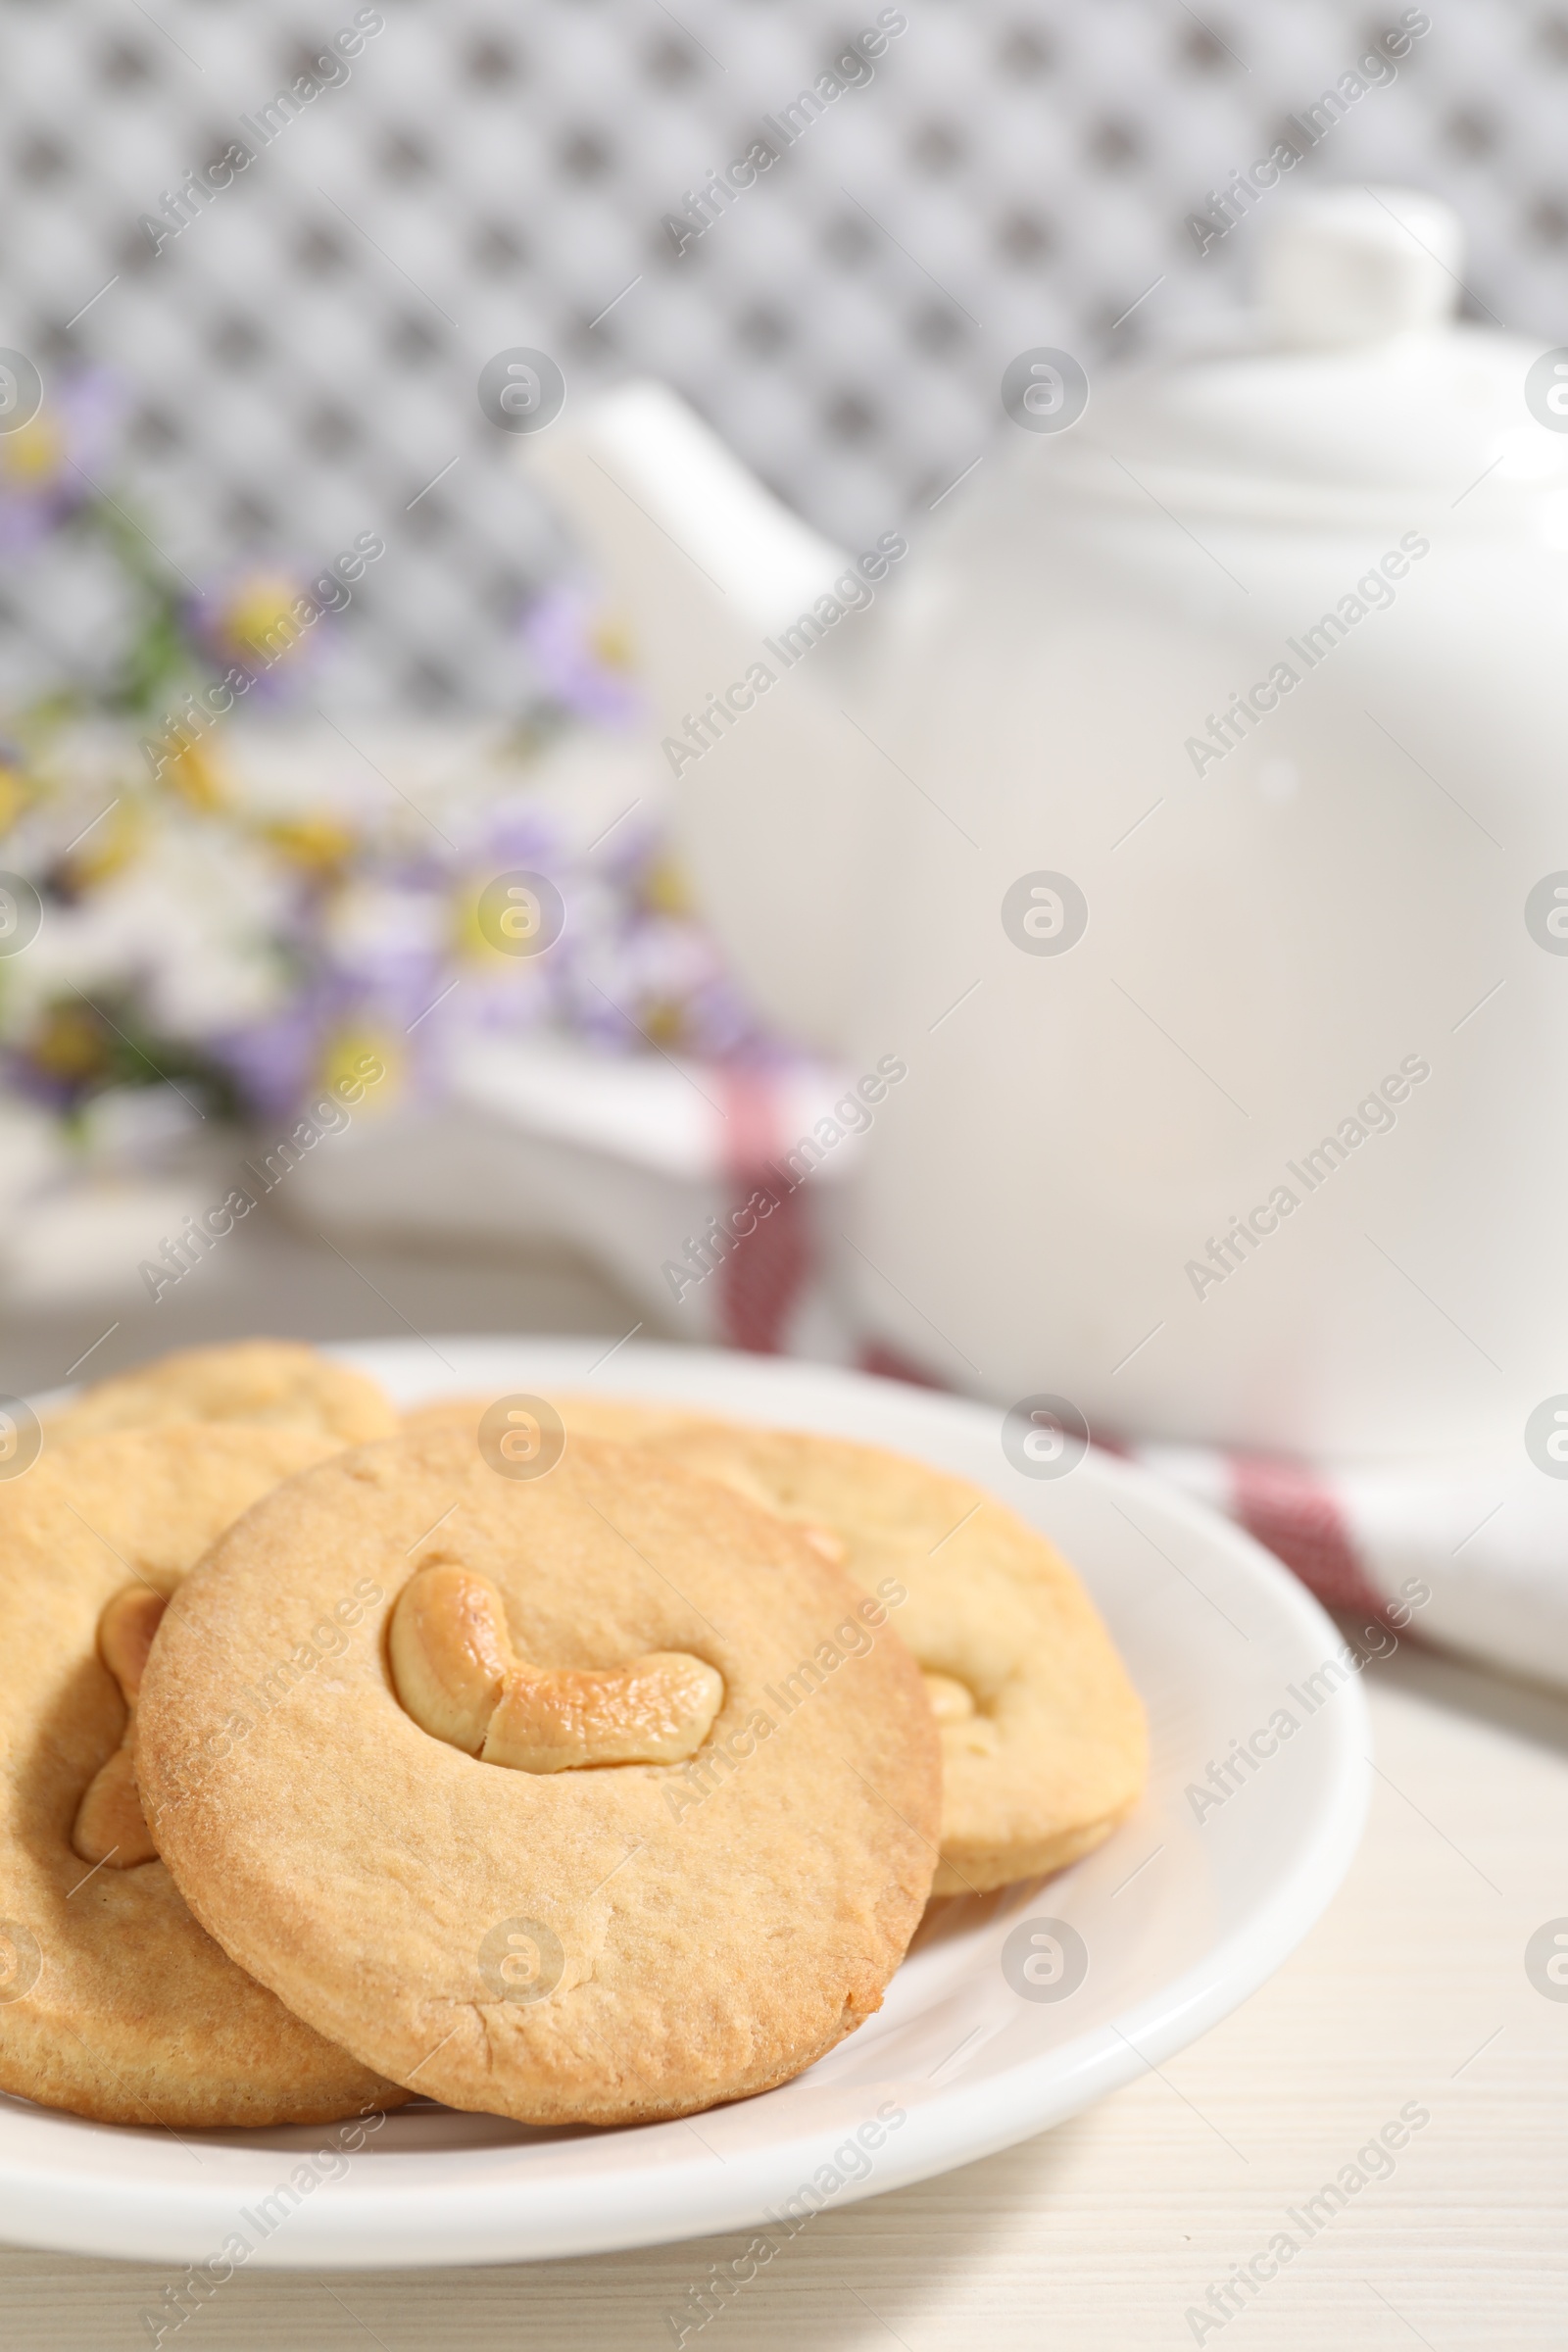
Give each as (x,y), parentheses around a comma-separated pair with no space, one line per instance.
(1043,1741)
(277,1383)
(114,2003)
(632,1808)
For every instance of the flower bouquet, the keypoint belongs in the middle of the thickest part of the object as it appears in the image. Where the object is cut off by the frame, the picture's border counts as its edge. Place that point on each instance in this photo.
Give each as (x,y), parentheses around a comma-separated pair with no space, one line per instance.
(216,900)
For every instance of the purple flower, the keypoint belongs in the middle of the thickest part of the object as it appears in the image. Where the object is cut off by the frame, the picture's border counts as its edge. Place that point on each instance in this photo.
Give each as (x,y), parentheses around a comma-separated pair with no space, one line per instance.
(581,658)
(262,619)
(52,463)
(272,1062)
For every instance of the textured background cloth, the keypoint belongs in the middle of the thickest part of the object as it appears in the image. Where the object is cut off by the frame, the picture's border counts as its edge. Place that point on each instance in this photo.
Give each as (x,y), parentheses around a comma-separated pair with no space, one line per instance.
(302,360)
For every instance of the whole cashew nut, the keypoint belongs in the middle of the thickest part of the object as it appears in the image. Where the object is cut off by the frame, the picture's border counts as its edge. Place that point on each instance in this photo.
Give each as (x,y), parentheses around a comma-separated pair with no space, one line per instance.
(110,1826)
(457,1674)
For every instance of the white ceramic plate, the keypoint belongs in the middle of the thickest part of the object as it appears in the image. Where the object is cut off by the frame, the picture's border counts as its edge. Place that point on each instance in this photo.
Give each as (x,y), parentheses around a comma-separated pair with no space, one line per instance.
(1180,1920)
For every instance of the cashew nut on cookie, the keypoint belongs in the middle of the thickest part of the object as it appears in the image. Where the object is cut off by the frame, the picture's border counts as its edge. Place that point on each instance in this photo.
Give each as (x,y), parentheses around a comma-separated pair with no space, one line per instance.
(110,1826)
(457,1674)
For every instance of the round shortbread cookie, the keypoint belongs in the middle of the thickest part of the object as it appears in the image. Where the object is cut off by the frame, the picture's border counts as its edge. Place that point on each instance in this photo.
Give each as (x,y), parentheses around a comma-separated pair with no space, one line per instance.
(572,1941)
(279,1384)
(1044,1743)
(114,2003)
(1045,1746)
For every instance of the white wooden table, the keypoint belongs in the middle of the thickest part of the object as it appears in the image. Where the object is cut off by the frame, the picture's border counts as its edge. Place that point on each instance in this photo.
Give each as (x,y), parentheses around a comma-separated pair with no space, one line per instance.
(1101,2235)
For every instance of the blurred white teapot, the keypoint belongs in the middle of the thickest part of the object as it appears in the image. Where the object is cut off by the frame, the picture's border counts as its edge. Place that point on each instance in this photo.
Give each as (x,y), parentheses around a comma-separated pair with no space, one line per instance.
(1192,821)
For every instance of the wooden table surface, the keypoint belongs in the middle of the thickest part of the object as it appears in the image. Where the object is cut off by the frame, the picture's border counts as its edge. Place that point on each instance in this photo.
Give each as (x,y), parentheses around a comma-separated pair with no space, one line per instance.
(1105,2233)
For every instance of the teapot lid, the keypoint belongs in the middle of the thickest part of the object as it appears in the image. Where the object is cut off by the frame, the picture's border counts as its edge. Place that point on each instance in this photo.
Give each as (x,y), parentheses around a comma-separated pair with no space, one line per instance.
(1351,392)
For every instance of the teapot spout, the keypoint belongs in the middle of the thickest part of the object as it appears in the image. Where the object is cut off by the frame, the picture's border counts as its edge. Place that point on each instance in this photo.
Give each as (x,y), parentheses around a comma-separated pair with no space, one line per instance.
(714,578)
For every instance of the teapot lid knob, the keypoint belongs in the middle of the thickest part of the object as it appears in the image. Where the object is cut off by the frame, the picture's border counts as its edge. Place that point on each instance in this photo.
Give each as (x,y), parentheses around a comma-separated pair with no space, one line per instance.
(1346,265)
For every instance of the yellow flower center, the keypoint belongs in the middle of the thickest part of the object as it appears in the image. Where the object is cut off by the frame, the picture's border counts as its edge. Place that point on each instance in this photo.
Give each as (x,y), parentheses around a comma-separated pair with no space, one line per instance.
(69,1043)
(260,618)
(315,843)
(362,1066)
(108,847)
(14,797)
(196,776)
(33,455)
(666,889)
(610,640)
